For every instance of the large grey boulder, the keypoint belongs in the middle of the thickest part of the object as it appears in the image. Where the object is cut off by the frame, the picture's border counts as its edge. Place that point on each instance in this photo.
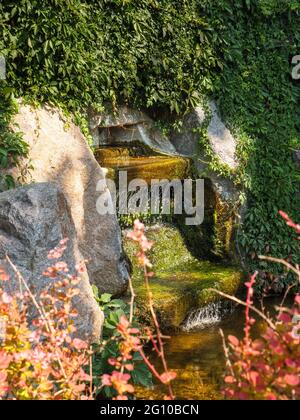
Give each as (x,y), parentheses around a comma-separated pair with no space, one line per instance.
(59,153)
(33,220)
(221,141)
(126,127)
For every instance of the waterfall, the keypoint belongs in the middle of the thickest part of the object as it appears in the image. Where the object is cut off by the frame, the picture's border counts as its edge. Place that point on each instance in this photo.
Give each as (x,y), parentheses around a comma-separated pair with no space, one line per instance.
(207,316)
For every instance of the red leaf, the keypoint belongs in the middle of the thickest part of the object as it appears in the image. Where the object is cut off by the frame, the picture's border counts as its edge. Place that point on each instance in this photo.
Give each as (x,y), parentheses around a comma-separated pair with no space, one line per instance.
(229,380)
(3,275)
(285,318)
(233,340)
(167,377)
(254,378)
(292,380)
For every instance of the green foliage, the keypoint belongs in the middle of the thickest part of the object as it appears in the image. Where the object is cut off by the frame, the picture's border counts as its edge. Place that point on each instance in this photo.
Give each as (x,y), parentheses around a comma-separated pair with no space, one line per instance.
(113,310)
(80,53)
(260,102)
(12,146)
(165,55)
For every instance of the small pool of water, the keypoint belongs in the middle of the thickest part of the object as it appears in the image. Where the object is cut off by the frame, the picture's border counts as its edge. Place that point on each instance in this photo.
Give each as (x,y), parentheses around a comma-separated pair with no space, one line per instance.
(198,359)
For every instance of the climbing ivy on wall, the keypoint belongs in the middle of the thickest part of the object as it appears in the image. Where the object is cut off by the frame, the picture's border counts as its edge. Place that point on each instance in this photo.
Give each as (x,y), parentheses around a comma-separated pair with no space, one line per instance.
(165,54)
(12,146)
(261,103)
(78,53)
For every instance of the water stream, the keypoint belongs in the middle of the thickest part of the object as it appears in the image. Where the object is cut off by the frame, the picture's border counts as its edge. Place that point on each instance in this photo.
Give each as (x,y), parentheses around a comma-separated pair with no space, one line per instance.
(197,356)
(207,316)
(181,283)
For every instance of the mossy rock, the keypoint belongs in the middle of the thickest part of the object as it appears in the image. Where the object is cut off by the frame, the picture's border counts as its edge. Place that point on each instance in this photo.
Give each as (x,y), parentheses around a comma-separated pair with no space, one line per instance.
(181,282)
(214,239)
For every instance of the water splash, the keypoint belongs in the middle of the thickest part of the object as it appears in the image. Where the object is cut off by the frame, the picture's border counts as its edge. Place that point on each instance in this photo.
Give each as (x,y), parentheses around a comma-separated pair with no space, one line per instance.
(208,316)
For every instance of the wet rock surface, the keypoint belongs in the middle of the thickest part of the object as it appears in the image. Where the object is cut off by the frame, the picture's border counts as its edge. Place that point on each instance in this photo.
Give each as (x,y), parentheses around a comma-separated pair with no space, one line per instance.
(181,283)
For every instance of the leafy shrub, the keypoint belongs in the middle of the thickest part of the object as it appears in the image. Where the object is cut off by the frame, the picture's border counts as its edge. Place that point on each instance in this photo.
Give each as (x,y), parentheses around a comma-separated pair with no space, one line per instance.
(80,53)
(40,359)
(12,146)
(267,368)
(129,350)
(116,310)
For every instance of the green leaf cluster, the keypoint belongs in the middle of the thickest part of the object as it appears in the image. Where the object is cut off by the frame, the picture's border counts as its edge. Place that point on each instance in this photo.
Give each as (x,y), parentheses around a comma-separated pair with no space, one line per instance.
(261,103)
(12,146)
(113,310)
(82,53)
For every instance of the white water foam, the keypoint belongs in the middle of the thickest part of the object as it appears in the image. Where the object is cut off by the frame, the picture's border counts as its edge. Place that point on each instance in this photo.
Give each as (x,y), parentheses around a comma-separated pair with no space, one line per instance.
(208,316)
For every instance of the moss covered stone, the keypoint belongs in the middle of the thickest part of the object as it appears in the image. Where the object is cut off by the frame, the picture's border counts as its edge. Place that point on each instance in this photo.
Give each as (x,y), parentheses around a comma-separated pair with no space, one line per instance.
(181,282)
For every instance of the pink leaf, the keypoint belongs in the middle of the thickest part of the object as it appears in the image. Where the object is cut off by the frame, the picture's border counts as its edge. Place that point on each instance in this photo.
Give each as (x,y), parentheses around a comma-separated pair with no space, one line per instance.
(233,340)
(167,377)
(292,380)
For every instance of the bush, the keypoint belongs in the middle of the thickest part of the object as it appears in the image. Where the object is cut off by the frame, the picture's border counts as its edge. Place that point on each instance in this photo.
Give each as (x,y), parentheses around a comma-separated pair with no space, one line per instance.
(267,368)
(116,312)
(260,102)
(41,358)
(12,146)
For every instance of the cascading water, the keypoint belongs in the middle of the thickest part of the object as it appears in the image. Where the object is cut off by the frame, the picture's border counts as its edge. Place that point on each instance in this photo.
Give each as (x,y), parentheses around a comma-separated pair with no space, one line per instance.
(207,316)
(195,352)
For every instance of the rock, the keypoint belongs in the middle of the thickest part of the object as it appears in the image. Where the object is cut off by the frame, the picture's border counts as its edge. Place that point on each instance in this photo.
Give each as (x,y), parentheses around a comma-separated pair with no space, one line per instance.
(59,153)
(181,283)
(125,116)
(297,157)
(33,220)
(221,141)
(186,140)
(128,126)
(221,196)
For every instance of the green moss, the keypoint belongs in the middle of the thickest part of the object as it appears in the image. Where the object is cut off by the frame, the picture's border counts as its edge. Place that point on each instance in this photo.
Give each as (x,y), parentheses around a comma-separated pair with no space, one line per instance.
(181,282)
